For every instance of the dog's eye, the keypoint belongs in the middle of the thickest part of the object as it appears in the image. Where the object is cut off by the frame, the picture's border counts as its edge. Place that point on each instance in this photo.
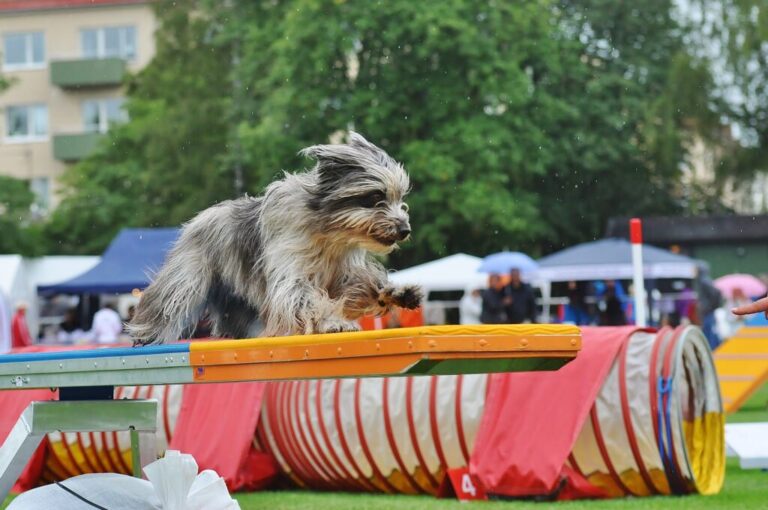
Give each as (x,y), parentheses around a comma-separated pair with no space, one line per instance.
(404,207)
(372,199)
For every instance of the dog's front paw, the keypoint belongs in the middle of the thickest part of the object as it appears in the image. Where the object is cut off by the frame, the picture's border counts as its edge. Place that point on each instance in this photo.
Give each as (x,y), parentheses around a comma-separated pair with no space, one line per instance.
(407,296)
(336,326)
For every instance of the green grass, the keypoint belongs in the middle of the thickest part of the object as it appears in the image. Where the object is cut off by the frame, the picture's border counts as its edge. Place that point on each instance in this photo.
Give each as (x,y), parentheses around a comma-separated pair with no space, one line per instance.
(755,409)
(743,489)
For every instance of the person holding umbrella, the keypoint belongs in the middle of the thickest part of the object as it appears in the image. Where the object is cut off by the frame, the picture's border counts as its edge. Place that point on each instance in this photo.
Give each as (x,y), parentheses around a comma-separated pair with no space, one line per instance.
(493,306)
(519,300)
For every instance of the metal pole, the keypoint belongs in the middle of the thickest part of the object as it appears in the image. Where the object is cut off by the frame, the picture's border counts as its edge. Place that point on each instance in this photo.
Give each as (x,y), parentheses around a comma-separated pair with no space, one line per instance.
(135,453)
(638,281)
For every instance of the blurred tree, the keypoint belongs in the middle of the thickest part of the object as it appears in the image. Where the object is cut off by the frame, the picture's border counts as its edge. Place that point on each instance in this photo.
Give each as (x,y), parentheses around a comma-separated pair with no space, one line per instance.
(733,36)
(19,234)
(447,89)
(523,124)
(636,98)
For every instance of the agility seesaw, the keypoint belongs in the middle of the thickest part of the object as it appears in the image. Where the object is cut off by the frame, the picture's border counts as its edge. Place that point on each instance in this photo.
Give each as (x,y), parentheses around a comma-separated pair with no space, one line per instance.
(86,378)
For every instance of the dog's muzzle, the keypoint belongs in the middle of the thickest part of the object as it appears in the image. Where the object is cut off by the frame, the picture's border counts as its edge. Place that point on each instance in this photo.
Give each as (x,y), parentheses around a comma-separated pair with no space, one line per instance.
(403,231)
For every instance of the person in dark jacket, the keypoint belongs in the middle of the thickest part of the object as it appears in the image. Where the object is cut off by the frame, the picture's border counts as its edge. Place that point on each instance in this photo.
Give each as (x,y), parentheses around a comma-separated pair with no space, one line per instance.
(577,311)
(612,307)
(519,300)
(709,300)
(493,311)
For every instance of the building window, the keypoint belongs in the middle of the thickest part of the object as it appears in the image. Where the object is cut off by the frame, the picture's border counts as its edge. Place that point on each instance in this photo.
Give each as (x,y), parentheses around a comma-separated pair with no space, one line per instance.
(23,50)
(41,187)
(100,114)
(26,123)
(107,42)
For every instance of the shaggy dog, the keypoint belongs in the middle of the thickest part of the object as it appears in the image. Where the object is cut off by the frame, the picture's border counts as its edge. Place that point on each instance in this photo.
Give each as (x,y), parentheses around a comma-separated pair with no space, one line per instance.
(298,258)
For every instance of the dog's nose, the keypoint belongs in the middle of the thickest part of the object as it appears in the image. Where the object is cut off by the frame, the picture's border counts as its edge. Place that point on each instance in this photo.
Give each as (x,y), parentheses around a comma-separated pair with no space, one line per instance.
(403,231)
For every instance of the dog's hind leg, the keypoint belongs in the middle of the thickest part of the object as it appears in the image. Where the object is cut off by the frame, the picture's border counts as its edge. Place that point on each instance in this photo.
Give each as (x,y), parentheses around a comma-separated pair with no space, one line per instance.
(175,300)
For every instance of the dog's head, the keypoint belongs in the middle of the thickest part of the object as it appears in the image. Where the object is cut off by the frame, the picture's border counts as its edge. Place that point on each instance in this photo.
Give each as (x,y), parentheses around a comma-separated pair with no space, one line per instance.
(359,194)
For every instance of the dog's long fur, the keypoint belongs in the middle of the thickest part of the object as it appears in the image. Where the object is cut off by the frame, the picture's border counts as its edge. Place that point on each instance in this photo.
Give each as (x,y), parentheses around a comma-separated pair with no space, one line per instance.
(297,257)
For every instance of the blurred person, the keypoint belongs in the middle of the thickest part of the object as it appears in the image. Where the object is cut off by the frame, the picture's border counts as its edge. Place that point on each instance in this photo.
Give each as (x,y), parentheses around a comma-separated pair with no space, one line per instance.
(577,310)
(70,329)
(709,300)
(686,305)
(471,306)
(20,336)
(612,311)
(107,324)
(493,310)
(761,305)
(727,323)
(5,327)
(519,300)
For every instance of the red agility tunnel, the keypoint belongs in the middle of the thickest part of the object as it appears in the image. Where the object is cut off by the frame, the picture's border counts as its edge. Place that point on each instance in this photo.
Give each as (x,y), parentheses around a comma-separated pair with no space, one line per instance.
(389,435)
(637,413)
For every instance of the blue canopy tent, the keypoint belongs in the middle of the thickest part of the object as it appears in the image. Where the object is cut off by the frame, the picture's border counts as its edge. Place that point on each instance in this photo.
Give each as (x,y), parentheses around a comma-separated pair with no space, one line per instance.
(611,259)
(126,265)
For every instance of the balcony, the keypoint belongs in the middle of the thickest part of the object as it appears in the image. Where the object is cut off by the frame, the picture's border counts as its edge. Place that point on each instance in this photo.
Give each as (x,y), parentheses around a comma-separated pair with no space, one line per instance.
(88,73)
(74,147)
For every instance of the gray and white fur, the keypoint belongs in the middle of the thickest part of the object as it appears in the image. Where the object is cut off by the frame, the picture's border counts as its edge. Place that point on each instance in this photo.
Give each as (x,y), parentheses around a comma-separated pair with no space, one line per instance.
(298,257)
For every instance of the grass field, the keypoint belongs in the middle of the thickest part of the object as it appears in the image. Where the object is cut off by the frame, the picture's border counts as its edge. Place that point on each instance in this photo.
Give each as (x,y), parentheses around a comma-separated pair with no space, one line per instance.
(742,490)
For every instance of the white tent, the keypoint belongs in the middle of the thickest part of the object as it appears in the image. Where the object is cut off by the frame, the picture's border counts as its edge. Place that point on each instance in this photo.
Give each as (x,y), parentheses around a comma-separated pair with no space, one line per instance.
(455,272)
(19,278)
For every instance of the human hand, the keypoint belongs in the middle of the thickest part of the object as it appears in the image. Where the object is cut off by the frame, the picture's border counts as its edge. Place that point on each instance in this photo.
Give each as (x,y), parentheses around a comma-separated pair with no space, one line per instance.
(761,305)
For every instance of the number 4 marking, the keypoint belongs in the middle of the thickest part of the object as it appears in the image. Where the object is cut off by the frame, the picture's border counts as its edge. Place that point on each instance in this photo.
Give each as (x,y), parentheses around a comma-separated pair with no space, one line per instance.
(467,486)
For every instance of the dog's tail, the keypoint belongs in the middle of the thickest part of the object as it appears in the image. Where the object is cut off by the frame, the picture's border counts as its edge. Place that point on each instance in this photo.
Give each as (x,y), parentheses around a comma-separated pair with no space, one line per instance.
(174,301)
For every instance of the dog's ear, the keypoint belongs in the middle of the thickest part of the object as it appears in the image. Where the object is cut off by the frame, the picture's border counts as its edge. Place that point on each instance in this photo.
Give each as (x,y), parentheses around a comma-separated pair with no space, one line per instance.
(357,140)
(335,161)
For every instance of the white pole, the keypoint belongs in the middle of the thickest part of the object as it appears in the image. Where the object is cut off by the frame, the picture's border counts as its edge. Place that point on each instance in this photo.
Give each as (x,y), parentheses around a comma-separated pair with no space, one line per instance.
(636,236)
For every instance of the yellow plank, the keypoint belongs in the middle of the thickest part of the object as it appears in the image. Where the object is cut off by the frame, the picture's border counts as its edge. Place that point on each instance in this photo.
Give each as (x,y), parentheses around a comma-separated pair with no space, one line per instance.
(743,346)
(474,349)
(518,330)
(742,365)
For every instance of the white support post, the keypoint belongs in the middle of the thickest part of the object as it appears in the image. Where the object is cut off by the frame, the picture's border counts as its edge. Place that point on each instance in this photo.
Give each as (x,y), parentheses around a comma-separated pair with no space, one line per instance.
(638,280)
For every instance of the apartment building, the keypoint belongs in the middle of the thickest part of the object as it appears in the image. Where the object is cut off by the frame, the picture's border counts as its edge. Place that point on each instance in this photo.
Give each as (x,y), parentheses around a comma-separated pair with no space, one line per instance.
(66,60)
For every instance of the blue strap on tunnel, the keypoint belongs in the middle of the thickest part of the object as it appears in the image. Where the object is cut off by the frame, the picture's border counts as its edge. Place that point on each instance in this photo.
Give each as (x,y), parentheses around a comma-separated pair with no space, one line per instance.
(666,448)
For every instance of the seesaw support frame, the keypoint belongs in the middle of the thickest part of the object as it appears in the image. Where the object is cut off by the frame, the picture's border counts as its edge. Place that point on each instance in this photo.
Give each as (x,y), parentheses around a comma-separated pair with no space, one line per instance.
(89,374)
(41,418)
